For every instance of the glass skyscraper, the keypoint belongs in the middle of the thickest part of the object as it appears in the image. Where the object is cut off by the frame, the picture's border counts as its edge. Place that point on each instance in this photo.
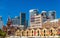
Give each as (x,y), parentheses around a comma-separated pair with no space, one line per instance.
(33,11)
(22,18)
(44,16)
(52,15)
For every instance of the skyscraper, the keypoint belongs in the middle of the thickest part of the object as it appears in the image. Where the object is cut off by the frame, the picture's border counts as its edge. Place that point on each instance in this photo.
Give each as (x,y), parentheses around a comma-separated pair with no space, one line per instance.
(52,15)
(33,11)
(16,21)
(1,22)
(27,22)
(35,19)
(44,16)
(22,18)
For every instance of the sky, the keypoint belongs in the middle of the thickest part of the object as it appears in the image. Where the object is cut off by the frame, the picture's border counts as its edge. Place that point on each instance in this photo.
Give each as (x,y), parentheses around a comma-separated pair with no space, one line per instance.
(13,8)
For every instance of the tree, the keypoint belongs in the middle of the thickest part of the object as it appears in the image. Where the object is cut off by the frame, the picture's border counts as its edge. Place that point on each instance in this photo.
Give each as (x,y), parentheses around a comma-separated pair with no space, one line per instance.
(2,33)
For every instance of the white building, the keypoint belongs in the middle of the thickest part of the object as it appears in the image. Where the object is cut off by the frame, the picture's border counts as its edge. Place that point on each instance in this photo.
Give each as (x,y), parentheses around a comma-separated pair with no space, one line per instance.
(35,19)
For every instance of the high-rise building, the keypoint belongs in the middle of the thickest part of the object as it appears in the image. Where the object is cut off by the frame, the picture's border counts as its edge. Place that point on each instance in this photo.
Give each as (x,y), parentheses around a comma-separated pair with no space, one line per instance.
(52,15)
(44,16)
(27,23)
(22,18)
(16,21)
(35,19)
(1,22)
(33,11)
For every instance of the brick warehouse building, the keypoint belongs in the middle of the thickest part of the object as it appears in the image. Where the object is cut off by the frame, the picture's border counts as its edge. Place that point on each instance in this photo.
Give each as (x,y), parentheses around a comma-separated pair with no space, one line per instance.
(50,28)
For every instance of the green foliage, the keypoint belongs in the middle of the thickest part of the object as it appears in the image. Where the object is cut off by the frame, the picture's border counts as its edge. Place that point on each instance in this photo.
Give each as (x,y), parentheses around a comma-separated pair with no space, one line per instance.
(59,37)
(2,33)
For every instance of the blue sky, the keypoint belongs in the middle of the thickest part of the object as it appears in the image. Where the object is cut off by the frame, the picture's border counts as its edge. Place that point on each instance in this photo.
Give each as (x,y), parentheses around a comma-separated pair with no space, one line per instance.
(14,7)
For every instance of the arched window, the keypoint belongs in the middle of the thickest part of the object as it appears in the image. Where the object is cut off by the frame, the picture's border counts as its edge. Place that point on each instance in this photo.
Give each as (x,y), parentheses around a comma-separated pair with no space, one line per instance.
(38,33)
(32,33)
(44,32)
(51,32)
(27,33)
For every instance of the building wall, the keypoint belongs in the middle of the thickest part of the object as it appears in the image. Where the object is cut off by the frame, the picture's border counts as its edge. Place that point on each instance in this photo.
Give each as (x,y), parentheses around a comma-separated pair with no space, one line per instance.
(44,31)
(52,15)
(22,18)
(44,16)
(16,21)
(32,12)
(36,21)
(39,32)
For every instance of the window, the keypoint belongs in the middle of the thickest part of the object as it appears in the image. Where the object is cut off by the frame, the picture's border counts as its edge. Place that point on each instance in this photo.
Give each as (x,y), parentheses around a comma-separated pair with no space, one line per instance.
(32,33)
(32,17)
(38,33)
(37,17)
(51,30)
(27,33)
(32,20)
(51,33)
(44,32)
(37,22)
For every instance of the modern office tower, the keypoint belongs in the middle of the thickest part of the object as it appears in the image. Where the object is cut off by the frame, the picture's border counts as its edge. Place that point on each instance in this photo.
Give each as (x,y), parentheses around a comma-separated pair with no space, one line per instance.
(33,11)
(1,22)
(27,23)
(44,16)
(52,15)
(22,18)
(16,21)
(35,19)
